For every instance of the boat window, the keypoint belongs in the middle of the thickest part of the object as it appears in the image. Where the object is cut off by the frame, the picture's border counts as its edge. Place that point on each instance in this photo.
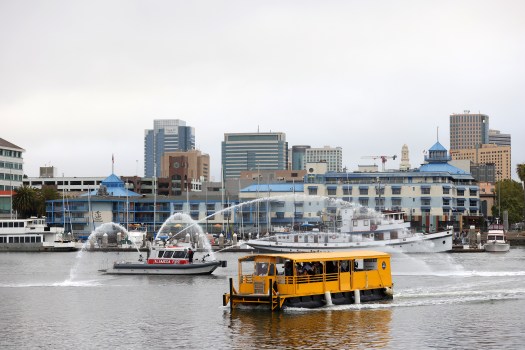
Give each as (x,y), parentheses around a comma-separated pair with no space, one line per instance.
(272,270)
(261,269)
(161,252)
(38,239)
(345,266)
(168,254)
(370,264)
(179,255)
(365,264)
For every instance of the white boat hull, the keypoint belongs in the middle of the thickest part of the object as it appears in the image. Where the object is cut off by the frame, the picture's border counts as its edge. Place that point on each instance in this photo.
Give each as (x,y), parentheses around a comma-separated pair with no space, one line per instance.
(429,243)
(497,247)
(127,268)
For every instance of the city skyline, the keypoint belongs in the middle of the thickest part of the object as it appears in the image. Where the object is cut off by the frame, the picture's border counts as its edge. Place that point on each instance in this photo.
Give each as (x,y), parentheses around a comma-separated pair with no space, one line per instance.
(82,81)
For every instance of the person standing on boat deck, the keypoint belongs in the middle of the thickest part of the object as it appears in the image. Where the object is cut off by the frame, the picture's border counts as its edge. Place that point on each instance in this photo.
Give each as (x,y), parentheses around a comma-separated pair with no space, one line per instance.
(190,255)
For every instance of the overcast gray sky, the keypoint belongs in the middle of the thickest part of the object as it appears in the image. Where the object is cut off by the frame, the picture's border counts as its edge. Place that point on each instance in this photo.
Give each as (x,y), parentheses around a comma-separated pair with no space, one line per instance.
(82,80)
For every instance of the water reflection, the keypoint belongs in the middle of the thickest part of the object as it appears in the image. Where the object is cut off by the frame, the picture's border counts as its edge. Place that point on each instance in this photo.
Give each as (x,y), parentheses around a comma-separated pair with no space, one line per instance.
(321,328)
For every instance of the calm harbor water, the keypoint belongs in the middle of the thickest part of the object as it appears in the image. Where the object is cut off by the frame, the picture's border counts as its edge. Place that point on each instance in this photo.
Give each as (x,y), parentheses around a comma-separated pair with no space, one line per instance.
(61,301)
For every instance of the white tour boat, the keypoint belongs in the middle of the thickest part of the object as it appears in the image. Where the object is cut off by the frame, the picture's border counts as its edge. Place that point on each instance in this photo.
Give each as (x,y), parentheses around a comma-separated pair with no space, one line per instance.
(175,259)
(32,235)
(496,239)
(386,232)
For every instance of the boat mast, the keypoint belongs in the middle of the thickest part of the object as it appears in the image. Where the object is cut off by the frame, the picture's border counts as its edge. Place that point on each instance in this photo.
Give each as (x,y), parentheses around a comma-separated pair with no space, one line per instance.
(241,229)
(222,198)
(294,209)
(268,217)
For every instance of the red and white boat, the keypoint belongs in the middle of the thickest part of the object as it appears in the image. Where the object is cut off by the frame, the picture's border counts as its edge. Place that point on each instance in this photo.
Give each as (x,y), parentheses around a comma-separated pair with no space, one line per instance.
(166,260)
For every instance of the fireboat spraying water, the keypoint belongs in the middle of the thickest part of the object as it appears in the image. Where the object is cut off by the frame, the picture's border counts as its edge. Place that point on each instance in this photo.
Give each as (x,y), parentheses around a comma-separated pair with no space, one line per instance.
(172,252)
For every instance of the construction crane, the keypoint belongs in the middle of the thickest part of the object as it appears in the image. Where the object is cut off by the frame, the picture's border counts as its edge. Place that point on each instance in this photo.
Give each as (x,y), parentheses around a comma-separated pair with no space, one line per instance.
(383,159)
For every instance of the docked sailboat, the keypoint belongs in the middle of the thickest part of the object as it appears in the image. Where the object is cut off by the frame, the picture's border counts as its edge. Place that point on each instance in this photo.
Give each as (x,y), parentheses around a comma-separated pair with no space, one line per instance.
(385,232)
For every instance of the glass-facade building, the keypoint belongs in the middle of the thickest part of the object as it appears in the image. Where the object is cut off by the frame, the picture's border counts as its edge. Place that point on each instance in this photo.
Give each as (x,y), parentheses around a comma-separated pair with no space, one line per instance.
(167,135)
(253,151)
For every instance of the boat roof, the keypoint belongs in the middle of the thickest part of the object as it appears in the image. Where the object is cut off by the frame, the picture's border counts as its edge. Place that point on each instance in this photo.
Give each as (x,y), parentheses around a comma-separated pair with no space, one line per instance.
(321,256)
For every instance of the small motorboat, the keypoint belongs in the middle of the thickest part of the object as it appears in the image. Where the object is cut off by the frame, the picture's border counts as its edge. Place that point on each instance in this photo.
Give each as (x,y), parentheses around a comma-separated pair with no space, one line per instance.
(175,259)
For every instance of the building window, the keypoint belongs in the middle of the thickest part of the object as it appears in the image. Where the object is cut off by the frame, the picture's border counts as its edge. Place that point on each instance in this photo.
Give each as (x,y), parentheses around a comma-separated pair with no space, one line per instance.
(347,191)
(312,191)
(363,202)
(396,190)
(363,191)
(396,201)
(425,190)
(473,192)
(425,202)
(446,190)
(332,191)
(461,192)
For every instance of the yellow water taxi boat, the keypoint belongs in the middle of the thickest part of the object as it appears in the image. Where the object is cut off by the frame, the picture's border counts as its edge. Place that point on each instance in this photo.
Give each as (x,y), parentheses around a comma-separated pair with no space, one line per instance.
(311,279)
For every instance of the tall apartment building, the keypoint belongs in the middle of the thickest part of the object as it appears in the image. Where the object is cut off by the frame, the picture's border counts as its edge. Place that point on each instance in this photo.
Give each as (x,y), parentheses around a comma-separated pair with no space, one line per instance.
(497,138)
(332,156)
(253,151)
(500,156)
(468,130)
(167,135)
(11,173)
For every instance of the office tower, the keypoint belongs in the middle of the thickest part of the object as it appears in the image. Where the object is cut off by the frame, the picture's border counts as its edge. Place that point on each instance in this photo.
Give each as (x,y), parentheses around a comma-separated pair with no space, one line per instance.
(497,138)
(298,157)
(468,130)
(253,151)
(167,135)
(500,156)
(332,156)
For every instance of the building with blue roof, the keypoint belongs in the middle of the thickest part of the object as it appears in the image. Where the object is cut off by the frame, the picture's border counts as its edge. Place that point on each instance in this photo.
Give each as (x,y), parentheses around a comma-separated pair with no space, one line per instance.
(433,196)
(112,186)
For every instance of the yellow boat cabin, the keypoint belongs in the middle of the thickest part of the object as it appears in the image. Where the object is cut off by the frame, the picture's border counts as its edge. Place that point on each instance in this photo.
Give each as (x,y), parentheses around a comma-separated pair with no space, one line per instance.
(311,279)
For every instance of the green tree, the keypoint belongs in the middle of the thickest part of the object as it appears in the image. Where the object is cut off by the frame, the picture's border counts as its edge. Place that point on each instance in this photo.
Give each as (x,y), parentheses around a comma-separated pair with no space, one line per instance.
(510,193)
(26,201)
(46,194)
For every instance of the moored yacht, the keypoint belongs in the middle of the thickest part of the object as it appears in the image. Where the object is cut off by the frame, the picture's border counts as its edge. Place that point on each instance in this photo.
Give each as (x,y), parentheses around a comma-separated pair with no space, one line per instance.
(496,239)
(32,235)
(386,232)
